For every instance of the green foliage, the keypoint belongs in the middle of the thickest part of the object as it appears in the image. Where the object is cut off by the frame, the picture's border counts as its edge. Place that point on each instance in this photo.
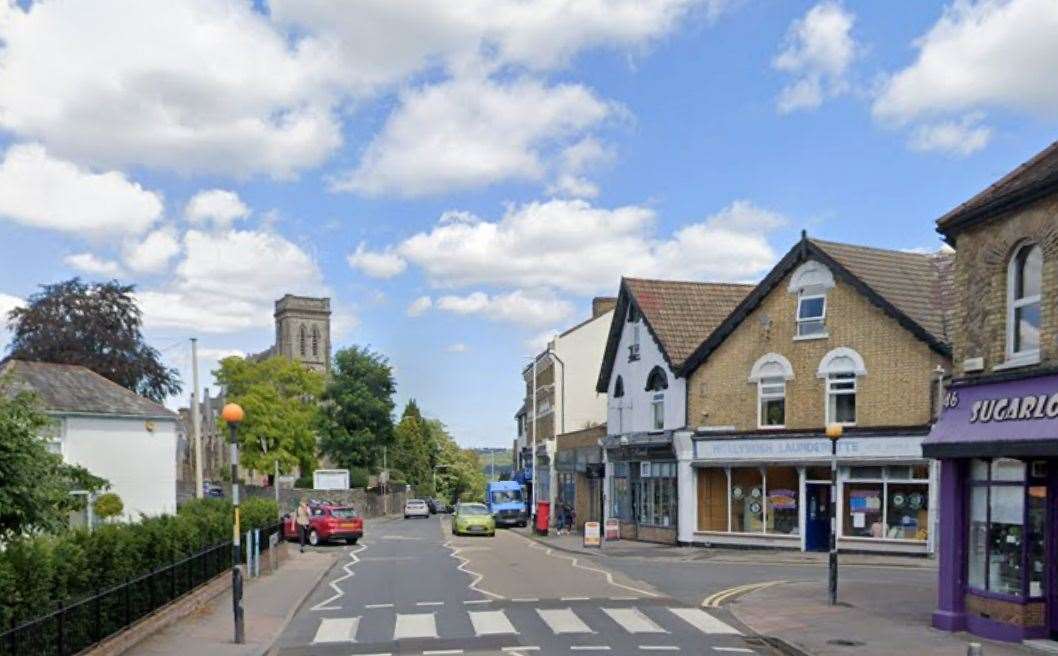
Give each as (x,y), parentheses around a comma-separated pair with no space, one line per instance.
(96,325)
(413,447)
(280,398)
(359,477)
(38,572)
(356,421)
(459,475)
(35,484)
(108,505)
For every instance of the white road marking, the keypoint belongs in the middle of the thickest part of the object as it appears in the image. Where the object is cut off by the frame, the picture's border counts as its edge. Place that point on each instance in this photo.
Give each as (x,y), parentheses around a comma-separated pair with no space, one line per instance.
(659,648)
(415,625)
(430,603)
(338,592)
(533,544)
(529,599)
(337,629)
(379,606)
(478,601)
(735,650)
(703,621)
(518,649)
(589,647)
(575,599)
(633,620)
(491,622)
(440,652)
(562,620)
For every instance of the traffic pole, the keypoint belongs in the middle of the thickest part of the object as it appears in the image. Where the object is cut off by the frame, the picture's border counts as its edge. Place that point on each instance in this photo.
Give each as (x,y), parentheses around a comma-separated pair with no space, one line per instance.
(233,415)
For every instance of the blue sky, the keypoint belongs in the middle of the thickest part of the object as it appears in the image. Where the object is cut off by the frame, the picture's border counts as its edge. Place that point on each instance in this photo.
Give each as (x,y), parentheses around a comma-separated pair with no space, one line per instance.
(461,180)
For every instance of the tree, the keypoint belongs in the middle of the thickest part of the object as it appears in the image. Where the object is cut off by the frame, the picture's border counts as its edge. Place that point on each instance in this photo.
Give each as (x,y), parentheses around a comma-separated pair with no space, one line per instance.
(108,505)
(460,476)
(357,414)
(281,400)
(412,449)
(96,325)
(35,484)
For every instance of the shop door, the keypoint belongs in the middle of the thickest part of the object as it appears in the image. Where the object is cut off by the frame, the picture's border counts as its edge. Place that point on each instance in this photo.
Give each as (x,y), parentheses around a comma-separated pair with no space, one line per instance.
(1052,546)
(817,518)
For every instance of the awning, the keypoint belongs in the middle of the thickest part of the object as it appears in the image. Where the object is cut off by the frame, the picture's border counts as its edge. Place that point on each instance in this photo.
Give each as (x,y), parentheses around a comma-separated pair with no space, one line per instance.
(1009,418)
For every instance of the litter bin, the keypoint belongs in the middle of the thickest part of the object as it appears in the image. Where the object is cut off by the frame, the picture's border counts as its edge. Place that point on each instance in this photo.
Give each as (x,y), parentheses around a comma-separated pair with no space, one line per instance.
(543,516)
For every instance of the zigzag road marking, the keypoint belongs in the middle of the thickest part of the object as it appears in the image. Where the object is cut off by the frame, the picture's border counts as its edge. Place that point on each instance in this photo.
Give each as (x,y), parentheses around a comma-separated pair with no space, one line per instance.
(477,578)
(576,563)
(338,592)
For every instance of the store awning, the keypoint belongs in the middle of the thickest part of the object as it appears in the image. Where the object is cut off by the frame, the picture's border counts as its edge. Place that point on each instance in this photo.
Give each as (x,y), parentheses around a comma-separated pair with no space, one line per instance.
(1009,418)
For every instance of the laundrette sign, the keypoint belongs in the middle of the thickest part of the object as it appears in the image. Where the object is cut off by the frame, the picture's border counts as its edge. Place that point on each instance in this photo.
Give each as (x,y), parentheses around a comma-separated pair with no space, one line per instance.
(849,447)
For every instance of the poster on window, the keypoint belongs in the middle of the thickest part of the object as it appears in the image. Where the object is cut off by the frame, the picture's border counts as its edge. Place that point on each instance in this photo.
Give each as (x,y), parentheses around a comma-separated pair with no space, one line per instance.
(782,499)
(865,501)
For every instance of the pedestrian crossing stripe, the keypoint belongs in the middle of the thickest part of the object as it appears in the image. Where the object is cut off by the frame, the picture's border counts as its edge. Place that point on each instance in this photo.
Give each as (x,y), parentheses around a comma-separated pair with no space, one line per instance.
(337,629)
(703,621)
(562,620)
(415,625)
(491,622)
(633,620)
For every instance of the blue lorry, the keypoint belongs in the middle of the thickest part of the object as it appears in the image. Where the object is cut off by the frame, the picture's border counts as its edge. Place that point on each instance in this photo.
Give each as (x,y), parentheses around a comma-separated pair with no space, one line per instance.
(506,502)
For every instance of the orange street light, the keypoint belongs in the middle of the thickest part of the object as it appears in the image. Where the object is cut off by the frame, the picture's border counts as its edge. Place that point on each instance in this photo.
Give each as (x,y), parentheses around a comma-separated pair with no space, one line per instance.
(232,413)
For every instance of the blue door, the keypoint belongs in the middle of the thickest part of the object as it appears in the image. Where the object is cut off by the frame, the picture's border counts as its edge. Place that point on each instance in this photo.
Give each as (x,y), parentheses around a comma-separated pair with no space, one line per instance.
(817,518)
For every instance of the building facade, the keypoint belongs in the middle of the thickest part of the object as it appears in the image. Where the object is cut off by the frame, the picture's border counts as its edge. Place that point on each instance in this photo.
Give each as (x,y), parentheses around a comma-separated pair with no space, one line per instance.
(834,334)
(997,437)
(655,327)
(303,331)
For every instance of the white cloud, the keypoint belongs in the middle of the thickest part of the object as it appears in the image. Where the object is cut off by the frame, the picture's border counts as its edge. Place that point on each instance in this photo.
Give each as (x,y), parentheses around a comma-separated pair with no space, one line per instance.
(376,265)
(43,192)
(419,306)
(217,206)
(458,347)
(89,263)
(195,86)
(587,153)
(472,132)
(958,137)
(517,307)
(538,342)
(153,253)
(7,303)
(571,246)
(979,55)
(818,52)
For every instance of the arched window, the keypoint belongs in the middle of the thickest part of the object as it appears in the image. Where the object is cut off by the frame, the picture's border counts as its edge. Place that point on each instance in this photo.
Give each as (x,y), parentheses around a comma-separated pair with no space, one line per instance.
(619,388)
(657,381)
(770,372)
(302,338)
(1024,275)
(315,341)
(840,368)
(809,283)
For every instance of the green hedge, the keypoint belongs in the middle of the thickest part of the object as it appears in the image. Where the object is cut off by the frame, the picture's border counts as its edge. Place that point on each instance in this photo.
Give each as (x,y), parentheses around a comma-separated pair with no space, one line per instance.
(36,573)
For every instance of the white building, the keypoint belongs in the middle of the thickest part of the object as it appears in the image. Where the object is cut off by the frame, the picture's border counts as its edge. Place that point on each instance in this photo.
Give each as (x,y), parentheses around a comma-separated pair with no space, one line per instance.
(110,431)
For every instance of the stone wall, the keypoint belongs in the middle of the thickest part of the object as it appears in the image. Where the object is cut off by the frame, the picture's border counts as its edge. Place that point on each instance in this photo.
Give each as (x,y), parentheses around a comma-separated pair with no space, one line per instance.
(897,390)
(368,503)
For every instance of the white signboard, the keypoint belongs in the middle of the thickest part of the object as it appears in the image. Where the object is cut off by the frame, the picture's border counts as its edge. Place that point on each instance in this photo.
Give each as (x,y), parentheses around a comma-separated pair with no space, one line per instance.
(591,534)
(808,449)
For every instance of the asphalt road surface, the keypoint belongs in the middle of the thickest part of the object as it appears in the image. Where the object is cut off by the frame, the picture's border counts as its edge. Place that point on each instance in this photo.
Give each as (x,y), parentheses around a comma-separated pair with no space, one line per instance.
(410,587)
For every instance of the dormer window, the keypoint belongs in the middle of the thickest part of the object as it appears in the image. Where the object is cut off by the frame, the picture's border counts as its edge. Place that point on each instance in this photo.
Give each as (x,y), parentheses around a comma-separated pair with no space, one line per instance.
(1024,275)
(809,283)
(657,381)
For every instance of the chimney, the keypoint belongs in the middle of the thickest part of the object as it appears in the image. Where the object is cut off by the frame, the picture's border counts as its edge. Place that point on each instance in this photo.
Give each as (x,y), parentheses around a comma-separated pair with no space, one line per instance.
(600,305)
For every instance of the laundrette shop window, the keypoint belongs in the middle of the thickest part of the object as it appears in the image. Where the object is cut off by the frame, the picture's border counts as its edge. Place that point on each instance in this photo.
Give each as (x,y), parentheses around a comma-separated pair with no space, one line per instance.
(886,502)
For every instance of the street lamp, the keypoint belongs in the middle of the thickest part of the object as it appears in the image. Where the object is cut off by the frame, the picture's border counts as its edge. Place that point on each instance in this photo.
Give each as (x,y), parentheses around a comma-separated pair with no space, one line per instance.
(834,433)
(233,415)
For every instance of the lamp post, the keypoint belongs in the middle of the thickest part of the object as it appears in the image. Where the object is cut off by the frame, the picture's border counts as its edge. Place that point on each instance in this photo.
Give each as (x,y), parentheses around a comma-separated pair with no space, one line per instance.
(233,415)
(834,432)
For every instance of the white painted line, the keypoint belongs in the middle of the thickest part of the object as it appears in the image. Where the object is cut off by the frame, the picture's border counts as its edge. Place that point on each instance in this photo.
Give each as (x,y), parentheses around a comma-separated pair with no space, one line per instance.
(533,544)
(518,649)
(526,599)
(491,622)
(338,592)
(419,625)
(379,606)
(590,647)
(441,652)
(337,629)
(623,598)
(430,603)
(735,650)
(575,599)
(476,577)
(478,601)
(562,620)
(633,620)
(659,648)
(703,621)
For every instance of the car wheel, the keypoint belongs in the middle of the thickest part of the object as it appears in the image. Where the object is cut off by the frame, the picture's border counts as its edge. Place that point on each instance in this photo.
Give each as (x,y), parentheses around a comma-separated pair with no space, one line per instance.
(314,538)
(351,540)
(522,524)
(405,517)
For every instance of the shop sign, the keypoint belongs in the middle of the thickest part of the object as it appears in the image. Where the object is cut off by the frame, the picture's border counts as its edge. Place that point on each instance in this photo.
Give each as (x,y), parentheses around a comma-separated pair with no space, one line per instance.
(808,448)
(591,534)
(613,529)
(1019,410)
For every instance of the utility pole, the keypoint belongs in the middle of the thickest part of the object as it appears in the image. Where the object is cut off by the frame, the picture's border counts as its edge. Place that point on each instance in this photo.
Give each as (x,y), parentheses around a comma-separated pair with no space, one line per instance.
(532,508)
(196,419)
(492,466)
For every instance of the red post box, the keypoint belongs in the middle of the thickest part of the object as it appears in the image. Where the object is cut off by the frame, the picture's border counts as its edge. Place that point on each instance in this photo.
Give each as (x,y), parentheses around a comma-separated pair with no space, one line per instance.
(543,516)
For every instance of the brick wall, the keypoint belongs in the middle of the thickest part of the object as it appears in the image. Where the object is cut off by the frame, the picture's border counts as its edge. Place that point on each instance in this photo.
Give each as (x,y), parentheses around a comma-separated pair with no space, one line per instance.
(897,389)
(1008,612)
(983,252)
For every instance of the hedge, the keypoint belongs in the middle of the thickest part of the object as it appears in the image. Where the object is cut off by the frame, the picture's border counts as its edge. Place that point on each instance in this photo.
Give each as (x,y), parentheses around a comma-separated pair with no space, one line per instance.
(39,572)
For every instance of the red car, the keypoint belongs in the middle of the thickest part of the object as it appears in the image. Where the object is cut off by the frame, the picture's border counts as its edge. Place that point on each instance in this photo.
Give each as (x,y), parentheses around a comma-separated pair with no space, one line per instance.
(326,523)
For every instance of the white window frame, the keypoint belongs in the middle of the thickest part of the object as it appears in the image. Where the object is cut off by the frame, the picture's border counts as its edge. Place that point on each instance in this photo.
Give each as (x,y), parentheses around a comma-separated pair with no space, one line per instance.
(821,319)
(762,396)
(657,402)
(1028,356)
(770,367)
(846,377)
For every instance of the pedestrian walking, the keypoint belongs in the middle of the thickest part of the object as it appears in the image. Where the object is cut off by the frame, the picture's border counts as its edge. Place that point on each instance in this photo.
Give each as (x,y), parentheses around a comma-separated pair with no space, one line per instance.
(302,520)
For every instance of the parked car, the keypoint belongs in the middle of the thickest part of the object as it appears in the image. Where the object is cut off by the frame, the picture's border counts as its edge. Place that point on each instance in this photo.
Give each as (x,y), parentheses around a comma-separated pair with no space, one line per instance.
(213,490)
(473,518)
(327,522)
(437,506)
(416,508)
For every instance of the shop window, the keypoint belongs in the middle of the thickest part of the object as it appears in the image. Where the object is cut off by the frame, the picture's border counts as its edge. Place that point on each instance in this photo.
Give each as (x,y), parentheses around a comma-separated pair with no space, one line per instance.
(1001,542)
(565,489)
(712,499)
(886,502)
(1037,539)
(620,492)
(817,473)
(782,487)
(1023,303)
(747,500)
(655,494)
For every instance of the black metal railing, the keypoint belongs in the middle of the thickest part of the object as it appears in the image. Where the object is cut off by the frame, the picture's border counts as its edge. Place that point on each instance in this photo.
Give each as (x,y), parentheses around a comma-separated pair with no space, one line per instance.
(77,625)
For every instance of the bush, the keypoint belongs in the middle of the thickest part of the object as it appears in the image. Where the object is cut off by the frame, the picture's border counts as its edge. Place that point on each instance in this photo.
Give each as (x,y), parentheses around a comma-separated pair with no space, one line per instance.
(359,478)
(305,483)
(37,572)
(108,505)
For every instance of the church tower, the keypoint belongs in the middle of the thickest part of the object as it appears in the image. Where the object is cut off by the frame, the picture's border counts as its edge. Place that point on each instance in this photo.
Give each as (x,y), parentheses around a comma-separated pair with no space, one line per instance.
(303,330)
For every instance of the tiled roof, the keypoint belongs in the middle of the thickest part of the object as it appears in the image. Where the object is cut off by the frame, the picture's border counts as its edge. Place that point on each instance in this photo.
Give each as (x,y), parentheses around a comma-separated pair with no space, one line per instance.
(1025,183)
(70,388)
(682,314)
(918,284)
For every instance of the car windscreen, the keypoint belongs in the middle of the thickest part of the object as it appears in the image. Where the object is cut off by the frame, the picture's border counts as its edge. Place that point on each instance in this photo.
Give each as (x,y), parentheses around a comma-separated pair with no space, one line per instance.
(473,510)
(344,513)
(506,496)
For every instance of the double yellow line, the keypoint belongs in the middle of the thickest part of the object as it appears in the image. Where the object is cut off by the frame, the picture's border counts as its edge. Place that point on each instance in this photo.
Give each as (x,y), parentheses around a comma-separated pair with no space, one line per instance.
(717,599)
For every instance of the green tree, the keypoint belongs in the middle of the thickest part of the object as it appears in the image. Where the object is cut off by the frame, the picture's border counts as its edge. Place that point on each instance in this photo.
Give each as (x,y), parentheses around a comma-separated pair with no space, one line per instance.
(108,505)
(412,449)
(281,400)
(356,421)
(35,484)
(459,475)
(96,325)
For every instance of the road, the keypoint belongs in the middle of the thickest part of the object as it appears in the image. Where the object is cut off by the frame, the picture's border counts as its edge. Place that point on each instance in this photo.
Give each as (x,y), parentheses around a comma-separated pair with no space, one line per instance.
(410,587)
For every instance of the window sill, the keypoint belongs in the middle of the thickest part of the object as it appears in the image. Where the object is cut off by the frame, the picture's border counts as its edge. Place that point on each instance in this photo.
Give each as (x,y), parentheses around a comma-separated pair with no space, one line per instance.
(1015,362)
(771,427)
(805,338)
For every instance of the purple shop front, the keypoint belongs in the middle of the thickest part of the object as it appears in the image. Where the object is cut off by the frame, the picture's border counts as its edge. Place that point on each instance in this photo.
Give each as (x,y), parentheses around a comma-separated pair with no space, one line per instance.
(998,549)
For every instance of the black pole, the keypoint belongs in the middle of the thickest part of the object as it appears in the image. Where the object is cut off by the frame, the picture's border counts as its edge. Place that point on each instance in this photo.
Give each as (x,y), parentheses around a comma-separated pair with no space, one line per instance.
(236,551)
(833,521)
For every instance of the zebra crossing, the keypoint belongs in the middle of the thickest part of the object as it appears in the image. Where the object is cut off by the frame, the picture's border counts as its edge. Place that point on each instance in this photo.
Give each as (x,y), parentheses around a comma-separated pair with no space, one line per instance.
(560,621)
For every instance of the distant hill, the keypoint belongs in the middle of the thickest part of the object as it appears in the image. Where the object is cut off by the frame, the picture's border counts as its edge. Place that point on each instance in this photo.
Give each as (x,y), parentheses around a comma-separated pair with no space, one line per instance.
(502,460)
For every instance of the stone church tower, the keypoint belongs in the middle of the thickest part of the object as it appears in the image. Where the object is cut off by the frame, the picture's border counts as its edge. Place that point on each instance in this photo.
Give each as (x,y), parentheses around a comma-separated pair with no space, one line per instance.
(303,330)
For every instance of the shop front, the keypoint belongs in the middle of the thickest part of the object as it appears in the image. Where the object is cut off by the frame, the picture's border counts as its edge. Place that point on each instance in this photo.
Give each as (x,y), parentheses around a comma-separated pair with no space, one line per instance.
(643,486)
(998,446)
(774,490)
